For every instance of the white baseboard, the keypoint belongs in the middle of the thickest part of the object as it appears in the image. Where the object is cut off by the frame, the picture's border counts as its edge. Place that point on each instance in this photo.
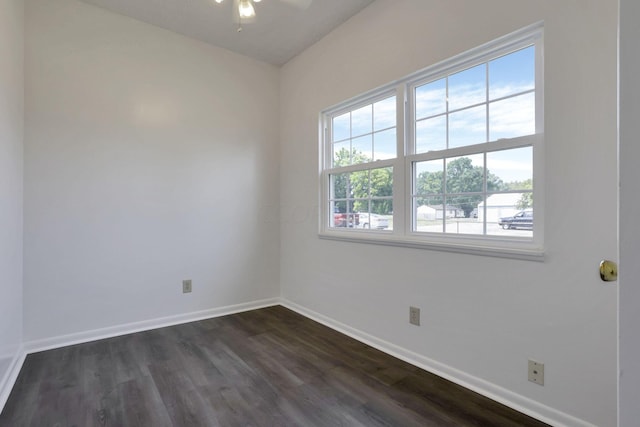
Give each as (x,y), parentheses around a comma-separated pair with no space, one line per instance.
(145,325)
(499,394)
(11,375)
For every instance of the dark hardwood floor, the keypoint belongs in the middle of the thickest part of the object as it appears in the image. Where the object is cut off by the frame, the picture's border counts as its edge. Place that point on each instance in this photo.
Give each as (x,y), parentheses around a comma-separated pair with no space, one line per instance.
(268,367)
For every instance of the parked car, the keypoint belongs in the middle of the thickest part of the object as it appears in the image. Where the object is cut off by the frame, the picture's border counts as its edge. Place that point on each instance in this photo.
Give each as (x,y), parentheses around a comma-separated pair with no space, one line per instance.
(523,219)
(373,221)
(343,219)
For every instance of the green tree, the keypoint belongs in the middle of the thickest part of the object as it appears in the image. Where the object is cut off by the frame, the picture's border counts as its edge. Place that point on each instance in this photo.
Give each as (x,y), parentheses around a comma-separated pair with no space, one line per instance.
(342,185)
(373,184)
(345,158)
(526,200)
(462,177)
(360,186)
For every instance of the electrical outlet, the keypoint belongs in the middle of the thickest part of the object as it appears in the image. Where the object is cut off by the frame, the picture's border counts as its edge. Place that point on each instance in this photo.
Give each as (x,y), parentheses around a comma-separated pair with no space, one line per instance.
(186,286)
(536,372)
(414,316)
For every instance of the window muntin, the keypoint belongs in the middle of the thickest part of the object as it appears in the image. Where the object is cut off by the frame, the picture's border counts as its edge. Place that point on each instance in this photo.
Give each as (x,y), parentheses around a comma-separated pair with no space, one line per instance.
(512,73)
(489,101)
(475,118)
(512,117)
(365,134)
(469,194)
(361,194)
(360,191)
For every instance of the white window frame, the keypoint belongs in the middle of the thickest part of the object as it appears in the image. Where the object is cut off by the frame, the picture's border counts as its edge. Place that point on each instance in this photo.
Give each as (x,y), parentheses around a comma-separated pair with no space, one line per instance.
(402,233)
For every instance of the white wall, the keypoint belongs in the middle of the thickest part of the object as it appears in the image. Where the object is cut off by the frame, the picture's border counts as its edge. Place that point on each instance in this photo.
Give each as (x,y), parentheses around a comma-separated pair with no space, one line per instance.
(149,158)
(11,137)
(482,317)
(629,304)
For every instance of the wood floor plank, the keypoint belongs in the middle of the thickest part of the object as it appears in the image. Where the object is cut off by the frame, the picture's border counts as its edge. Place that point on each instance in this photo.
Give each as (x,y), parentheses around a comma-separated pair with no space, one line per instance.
(268,367)
(183,403)
(142,405)
(387,404)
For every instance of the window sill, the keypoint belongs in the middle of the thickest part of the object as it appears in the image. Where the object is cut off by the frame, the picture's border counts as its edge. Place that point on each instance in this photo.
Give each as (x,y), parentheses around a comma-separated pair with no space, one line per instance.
(509,249)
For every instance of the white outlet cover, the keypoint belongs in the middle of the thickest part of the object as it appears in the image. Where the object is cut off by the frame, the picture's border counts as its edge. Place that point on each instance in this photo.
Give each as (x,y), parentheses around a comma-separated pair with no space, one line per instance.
(536,372)
(414,316)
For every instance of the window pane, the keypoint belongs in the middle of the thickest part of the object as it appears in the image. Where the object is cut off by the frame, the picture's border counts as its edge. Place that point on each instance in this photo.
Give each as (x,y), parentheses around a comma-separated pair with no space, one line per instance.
(506,217)
(465,174)
(341,127)
(431,134)
(349,220)
(458,215)
(514,168)
(339,183)
(382,206)
(512,73)
(384,114)
(464,207)
(512,117)
(362,121)
(339,206)
(431,99)
(360,206)
(429,214)
(359,184)
(381,216)
(340,217)
(362,149)
(384,144)
(468,87)
(381,182)
(341,155)
(468,127)
(429,177)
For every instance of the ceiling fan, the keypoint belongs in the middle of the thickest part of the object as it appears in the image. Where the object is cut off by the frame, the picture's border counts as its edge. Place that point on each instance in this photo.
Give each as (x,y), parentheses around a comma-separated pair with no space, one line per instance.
(244,12)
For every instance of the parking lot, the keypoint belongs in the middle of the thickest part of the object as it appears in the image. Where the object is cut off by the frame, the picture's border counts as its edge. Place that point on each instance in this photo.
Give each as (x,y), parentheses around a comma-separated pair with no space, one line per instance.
(465,226)
(470,226)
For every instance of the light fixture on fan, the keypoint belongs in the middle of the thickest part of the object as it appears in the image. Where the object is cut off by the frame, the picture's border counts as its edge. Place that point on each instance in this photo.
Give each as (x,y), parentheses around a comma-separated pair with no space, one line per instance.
(245,12)
(245,8)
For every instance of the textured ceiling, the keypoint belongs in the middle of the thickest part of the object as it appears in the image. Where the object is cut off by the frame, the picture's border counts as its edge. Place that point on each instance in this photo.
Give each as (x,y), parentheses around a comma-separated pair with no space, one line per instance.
(279,32)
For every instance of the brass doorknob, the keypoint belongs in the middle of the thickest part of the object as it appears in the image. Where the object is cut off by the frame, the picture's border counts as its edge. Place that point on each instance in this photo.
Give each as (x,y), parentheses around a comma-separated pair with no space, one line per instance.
(608,271)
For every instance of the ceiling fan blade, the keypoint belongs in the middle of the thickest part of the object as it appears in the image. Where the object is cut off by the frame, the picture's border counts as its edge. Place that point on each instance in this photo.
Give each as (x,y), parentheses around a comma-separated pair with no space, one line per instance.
(300,4)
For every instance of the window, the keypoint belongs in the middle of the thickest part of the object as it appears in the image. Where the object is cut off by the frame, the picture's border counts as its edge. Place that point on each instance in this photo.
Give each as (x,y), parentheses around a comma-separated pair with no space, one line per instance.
(449,157)
(363,140)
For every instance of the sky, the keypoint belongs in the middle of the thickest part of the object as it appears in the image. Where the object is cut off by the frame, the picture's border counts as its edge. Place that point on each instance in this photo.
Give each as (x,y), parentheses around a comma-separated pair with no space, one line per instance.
(502,87)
